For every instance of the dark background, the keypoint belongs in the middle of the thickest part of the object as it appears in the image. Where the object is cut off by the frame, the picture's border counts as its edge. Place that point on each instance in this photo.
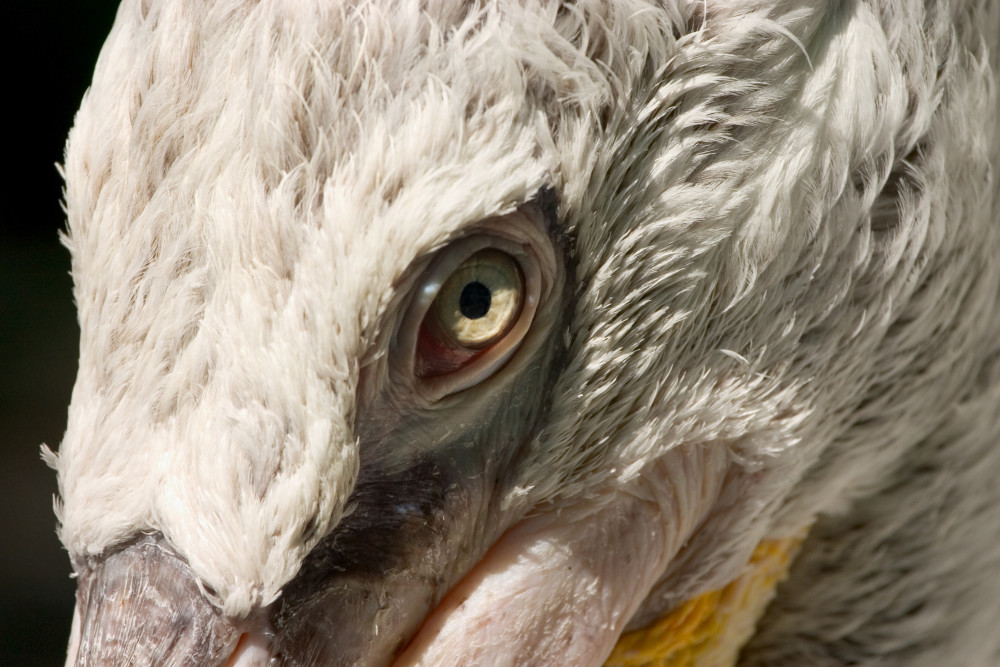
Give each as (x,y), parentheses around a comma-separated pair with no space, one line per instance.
(50,51)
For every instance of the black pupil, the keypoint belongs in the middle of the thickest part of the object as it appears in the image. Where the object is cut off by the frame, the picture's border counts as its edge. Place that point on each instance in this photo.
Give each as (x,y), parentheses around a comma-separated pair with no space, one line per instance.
(475,300)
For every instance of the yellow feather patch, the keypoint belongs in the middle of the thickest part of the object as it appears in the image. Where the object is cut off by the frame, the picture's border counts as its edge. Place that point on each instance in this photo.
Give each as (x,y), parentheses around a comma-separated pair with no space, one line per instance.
(710,629)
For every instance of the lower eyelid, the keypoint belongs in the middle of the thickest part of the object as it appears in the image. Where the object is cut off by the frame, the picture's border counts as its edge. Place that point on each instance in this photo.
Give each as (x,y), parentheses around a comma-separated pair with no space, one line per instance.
(435,358)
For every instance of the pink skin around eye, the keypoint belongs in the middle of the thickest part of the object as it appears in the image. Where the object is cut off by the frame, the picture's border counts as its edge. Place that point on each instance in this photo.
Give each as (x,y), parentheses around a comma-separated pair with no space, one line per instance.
(436,357)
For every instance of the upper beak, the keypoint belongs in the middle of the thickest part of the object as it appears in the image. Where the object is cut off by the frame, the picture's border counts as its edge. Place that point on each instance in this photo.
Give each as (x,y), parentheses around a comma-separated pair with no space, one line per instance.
(141,605)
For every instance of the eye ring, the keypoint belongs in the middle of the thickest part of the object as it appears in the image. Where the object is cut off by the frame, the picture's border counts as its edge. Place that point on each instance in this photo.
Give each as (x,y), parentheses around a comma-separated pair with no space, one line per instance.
(439,366)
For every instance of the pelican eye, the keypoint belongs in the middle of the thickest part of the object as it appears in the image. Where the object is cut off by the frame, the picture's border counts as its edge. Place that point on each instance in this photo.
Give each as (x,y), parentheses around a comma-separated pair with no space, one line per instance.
(475,303)
(480,302)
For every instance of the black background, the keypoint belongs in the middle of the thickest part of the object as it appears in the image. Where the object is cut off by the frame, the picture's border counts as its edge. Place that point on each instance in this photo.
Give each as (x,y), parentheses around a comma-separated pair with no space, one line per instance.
(49,53)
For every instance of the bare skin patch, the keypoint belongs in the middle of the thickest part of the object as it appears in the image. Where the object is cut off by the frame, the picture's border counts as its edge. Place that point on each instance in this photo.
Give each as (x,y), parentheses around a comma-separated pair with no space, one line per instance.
(711,628)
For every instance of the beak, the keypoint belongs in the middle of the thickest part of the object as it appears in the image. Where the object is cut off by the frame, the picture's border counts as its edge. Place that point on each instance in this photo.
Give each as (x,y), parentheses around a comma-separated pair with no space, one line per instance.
(556,588)
(141,605)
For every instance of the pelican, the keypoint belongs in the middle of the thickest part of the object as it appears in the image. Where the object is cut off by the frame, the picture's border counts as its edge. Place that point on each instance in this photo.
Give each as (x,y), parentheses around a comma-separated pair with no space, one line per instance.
(536,333)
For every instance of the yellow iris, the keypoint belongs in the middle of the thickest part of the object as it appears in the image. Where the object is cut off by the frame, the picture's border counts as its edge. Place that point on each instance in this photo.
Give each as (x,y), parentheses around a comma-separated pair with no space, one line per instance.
(481,300)
(711,628)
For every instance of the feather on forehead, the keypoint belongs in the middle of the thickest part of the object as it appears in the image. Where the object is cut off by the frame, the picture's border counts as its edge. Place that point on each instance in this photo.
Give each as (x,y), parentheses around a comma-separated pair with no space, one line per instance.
(232,173)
